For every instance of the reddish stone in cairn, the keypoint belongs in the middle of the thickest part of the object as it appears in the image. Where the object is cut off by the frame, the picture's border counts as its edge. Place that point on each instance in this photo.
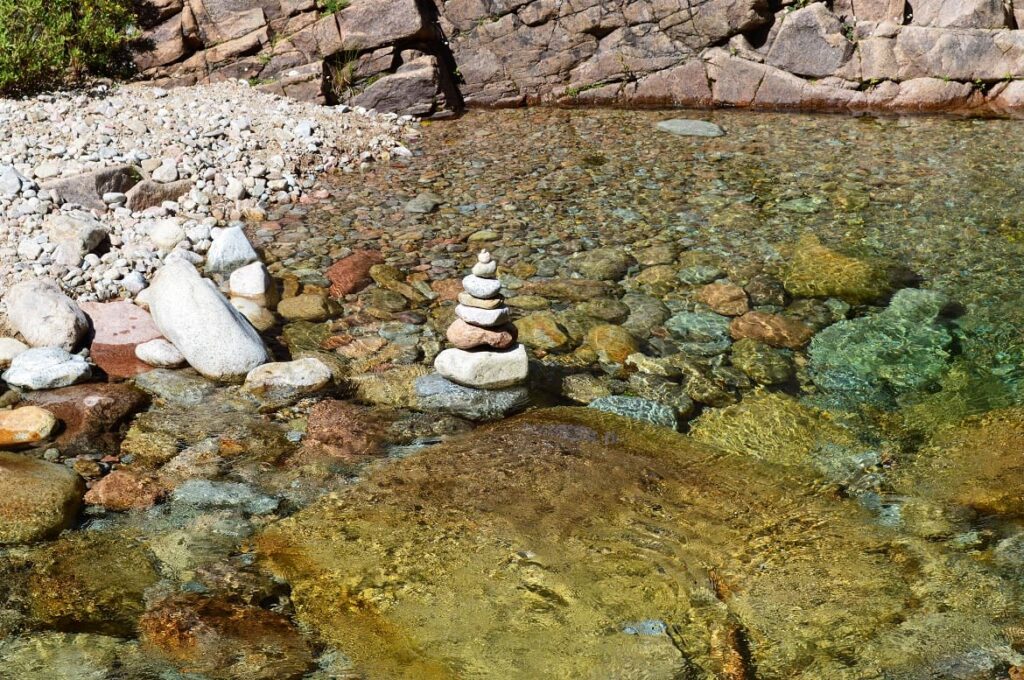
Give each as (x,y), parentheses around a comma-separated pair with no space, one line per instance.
(351,274)
(771,329)
(123,490)
(467,336)
(724,298)
(92,414)
(119,328)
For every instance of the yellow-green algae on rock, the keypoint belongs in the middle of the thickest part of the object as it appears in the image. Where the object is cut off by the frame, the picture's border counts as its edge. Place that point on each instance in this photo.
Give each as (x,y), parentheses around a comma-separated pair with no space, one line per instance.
(773,427)
(534,547)
(815,270)
(978,464)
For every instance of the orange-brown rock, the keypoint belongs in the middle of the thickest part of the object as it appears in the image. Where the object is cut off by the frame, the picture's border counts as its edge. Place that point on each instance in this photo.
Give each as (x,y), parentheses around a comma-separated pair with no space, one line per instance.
(612,343)
(339,429)
(771,329)
(25,426)
(351,274)
(92,414)
(224,640)
(467,336)
(124,490)
(724,298)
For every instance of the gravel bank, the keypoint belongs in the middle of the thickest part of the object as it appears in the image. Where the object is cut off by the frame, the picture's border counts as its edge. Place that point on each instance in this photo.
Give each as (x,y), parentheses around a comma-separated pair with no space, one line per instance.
(99,188)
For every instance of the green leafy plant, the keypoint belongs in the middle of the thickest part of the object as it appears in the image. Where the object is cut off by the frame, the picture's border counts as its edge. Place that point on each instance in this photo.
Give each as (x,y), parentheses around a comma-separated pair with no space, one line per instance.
(332,6)
(51,43)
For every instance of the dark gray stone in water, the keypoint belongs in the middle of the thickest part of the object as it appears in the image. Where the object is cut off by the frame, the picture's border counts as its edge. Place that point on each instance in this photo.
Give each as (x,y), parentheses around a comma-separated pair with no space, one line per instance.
(436,393)
(636,408)
(690,128)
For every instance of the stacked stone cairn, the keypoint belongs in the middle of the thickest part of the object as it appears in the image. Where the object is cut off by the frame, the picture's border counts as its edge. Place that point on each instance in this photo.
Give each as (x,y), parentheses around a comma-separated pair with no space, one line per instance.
(483,376)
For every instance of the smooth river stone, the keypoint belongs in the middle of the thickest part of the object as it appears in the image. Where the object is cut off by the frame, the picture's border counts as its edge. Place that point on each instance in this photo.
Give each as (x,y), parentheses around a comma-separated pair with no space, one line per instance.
(214,337)
(484,370)
(481,288)
(24,426)
(46,368)
(485,270)
(486,318)
(470,301)
(434,393)
(468,336)
(37,499)
(159,353)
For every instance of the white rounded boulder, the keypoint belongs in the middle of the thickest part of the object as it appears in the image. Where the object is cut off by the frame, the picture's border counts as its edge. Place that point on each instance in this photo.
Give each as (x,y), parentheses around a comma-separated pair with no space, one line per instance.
(213,336)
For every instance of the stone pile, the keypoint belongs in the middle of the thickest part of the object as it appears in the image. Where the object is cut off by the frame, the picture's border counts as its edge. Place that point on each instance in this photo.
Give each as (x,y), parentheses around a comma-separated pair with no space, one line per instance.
(486,354)
(483,376)
(98,189)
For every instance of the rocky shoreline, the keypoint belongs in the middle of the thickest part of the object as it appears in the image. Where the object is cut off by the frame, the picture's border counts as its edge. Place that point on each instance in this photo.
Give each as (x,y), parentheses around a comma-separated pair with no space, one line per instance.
(99,188)
(432,57)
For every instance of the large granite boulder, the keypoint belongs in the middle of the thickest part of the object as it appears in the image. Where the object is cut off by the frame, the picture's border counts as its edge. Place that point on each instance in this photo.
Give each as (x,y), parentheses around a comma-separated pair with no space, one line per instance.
(810,43)
(960,13)
(213,336)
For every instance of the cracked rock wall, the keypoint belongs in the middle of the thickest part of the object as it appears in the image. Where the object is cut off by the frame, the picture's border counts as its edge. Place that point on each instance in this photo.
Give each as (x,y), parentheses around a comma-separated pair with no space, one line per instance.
(427,56)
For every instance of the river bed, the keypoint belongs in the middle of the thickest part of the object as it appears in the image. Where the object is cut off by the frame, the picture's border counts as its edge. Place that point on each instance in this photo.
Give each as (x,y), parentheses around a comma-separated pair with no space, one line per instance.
(842,497)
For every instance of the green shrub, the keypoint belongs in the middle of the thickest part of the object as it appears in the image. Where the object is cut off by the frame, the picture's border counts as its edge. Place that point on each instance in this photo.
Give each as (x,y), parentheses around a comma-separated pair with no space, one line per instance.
(49,43)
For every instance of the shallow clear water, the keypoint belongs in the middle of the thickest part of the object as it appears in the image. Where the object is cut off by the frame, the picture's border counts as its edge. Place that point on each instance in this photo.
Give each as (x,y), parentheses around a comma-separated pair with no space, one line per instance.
(863,518)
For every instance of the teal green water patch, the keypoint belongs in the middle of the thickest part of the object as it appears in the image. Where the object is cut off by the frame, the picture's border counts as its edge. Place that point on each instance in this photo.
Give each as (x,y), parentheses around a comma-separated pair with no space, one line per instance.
(875,359)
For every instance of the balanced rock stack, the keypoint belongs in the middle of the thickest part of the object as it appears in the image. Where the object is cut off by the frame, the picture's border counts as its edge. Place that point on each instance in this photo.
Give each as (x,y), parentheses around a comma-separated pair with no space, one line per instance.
(483,376)
(486,355)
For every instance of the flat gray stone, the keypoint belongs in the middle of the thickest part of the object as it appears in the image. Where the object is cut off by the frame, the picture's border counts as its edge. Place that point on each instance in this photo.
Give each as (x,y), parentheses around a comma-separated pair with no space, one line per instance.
(690,128)
(435,393)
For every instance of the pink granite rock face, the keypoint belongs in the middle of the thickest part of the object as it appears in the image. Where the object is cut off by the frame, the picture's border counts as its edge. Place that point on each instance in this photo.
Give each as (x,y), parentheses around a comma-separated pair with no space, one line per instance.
(118,328)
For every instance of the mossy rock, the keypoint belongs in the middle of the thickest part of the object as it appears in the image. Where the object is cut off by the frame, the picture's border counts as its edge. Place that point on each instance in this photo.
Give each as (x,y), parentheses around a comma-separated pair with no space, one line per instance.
(91,582)
(815,270)
(776,428)
(876,359)
(977,465)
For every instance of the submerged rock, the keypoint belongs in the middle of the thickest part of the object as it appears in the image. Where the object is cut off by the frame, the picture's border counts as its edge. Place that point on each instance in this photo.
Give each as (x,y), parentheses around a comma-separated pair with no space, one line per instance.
(690,128)
(636,408)
(977,465)
(877,358)
(225,640)
(435,393)
(91,581)
(37,499)
(551,535)
(818,271)
(779,429)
